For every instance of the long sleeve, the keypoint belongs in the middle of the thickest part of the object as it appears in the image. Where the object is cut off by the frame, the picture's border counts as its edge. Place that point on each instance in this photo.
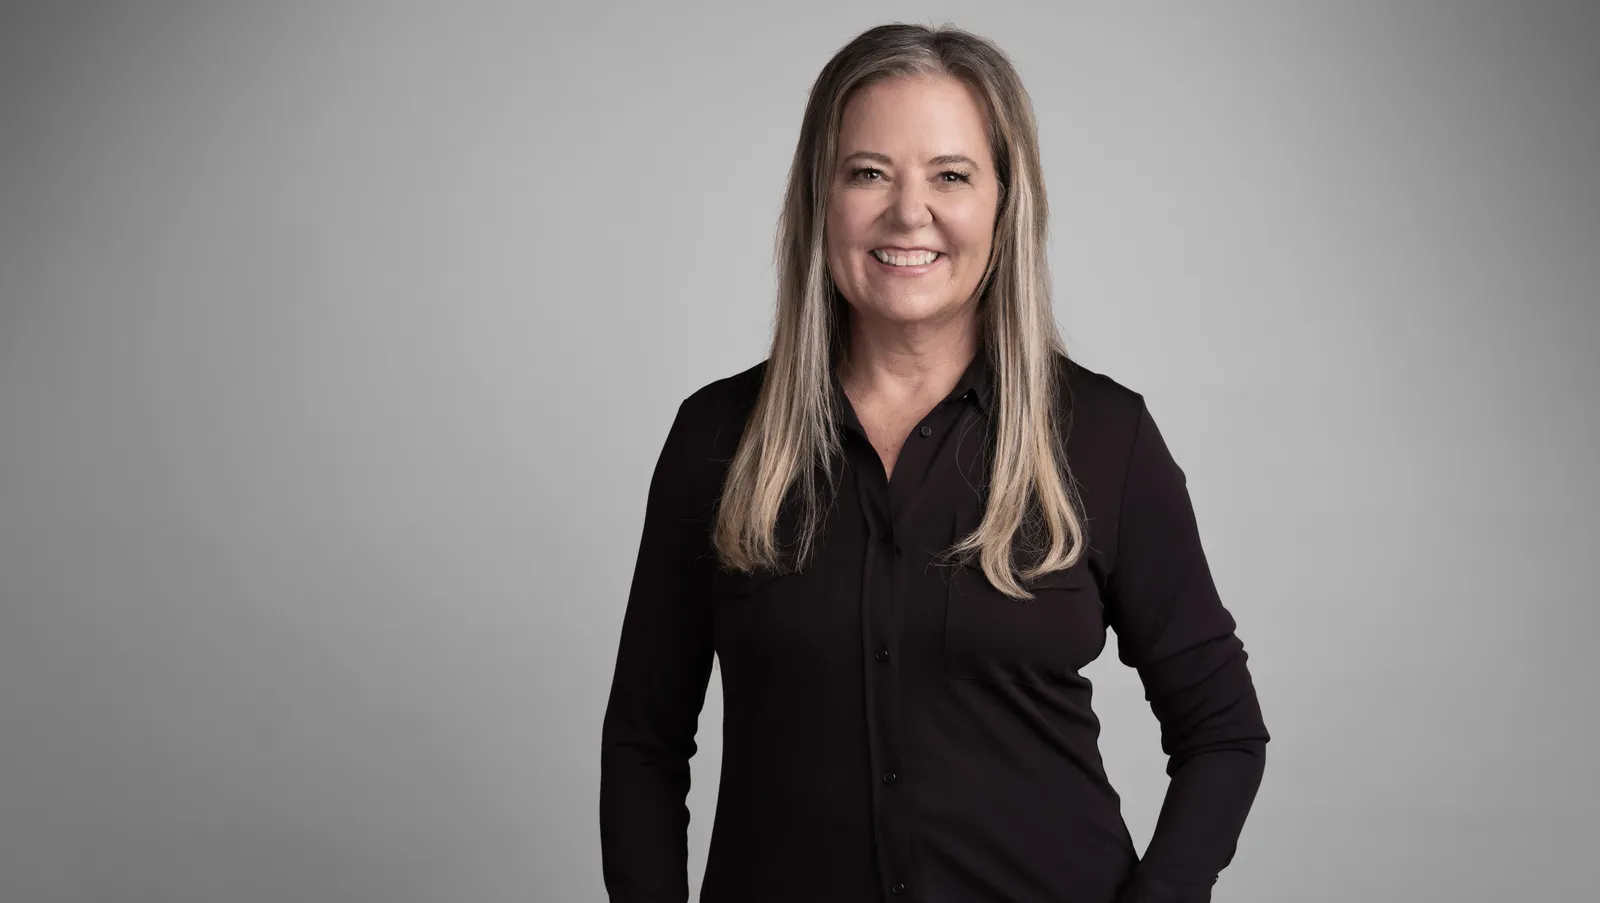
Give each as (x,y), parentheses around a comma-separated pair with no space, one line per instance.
(1172,627)
(658,688)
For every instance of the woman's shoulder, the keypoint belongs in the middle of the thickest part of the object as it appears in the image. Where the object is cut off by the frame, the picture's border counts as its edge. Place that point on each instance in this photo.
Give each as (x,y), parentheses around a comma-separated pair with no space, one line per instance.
(710,422)
(1097,404)
(724,402)
(742,386)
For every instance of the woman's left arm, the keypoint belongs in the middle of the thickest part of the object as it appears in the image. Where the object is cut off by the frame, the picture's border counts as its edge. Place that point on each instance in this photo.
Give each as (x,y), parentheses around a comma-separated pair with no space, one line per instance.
(1173,628)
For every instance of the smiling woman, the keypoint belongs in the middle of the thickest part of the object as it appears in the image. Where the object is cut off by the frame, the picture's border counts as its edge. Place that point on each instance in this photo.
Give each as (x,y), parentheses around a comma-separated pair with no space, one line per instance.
(883,534)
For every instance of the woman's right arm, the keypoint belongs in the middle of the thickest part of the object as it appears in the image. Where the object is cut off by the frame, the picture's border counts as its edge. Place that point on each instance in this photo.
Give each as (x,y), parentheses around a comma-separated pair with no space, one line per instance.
(659,685)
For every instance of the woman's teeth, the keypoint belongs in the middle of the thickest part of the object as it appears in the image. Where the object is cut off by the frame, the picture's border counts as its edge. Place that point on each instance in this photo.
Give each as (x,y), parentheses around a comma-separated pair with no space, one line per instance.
(913,259)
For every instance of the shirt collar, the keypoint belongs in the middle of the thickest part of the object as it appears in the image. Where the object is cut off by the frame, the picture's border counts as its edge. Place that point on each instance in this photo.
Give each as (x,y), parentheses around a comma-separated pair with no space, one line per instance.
(976,385)
(977,381)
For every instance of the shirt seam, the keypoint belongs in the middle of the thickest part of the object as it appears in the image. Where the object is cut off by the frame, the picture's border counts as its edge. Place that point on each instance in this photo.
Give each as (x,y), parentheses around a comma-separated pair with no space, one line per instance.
(1122,495)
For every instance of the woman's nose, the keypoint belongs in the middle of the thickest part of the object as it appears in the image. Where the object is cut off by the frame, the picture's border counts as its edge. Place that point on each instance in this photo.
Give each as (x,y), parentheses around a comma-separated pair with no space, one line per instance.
(910,205)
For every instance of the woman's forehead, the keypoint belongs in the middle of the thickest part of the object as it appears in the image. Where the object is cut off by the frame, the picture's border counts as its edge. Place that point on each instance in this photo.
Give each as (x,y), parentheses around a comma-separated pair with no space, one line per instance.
(910,116)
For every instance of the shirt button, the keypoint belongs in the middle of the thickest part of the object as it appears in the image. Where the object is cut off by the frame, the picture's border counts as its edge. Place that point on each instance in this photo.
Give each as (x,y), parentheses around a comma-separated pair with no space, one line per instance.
(897,889)
(926,431)
(883,653)
(890,778)
(884,536)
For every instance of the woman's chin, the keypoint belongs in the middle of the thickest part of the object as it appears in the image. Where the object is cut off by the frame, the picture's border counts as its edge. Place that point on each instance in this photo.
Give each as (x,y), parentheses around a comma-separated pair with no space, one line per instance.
(910,308)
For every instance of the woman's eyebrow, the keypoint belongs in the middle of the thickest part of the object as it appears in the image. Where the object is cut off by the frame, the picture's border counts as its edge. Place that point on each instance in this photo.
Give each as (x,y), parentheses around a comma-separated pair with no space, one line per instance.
(941,160)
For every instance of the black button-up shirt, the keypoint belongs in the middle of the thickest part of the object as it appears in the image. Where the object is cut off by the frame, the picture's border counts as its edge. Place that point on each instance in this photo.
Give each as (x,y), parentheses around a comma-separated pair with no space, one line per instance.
(897,729)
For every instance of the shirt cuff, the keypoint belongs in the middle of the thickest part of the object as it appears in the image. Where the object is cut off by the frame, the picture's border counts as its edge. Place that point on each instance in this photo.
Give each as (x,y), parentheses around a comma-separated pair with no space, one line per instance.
(1142,887)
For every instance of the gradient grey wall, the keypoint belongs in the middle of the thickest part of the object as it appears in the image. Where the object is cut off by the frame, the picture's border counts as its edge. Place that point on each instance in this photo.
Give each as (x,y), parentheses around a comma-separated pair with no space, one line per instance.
(337,343)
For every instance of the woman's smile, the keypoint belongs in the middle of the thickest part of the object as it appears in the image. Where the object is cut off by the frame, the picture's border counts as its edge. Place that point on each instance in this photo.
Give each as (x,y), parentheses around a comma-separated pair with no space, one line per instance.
(906,269)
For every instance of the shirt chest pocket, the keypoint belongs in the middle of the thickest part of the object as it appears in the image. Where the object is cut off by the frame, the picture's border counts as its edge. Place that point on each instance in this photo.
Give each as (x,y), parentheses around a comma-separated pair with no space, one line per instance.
(771,628)
(1047,639)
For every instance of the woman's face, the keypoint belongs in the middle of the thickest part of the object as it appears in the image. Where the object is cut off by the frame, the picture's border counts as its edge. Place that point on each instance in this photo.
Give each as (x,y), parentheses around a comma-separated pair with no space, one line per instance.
(914,171)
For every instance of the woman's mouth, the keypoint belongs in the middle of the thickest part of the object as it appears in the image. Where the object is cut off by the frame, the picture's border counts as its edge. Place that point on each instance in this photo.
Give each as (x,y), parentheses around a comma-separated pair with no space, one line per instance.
(906,263)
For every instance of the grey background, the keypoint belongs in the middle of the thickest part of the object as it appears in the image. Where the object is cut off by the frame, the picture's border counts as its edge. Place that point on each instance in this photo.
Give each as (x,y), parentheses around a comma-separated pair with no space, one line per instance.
(337,343)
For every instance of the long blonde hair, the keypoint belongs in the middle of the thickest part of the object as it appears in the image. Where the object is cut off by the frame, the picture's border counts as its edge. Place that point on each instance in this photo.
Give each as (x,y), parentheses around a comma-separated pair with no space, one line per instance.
(793,431)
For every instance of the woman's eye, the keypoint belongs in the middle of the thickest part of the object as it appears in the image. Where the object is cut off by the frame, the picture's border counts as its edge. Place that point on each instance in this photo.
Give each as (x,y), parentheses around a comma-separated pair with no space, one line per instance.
(860,174)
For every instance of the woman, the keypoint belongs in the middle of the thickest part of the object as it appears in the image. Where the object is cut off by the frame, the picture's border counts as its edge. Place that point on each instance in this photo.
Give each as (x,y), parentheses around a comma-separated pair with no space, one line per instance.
(902,536)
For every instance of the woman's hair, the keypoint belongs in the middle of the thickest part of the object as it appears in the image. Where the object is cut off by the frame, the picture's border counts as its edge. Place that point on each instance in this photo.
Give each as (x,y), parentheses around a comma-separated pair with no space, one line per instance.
(793,432)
